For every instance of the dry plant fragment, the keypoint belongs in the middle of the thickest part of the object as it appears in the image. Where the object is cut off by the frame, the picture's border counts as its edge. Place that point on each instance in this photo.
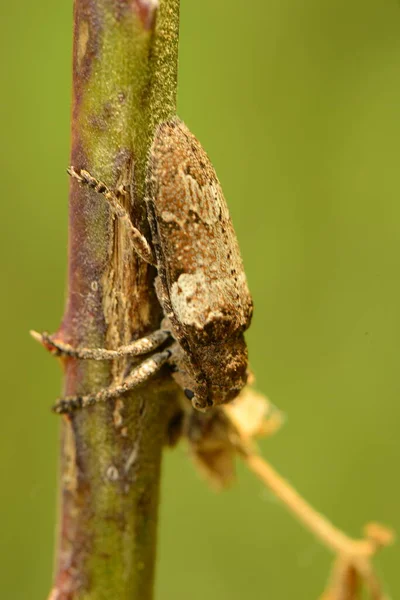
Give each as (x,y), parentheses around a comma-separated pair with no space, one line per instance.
(351,571)
(216,439)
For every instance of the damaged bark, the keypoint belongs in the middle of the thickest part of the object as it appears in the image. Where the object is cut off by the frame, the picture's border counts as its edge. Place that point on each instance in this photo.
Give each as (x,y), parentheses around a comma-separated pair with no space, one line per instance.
(124,84)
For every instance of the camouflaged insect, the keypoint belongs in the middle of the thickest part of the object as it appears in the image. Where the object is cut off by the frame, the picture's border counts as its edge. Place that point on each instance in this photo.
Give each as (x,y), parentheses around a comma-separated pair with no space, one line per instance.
(201,284)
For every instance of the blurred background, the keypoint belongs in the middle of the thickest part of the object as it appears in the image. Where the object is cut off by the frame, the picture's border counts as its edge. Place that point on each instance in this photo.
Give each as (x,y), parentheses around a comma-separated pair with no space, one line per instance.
(298,105)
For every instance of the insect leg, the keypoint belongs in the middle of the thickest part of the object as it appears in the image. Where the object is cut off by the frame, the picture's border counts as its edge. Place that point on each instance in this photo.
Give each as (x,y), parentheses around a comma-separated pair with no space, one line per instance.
(141,346)
(138,375)
(141,245)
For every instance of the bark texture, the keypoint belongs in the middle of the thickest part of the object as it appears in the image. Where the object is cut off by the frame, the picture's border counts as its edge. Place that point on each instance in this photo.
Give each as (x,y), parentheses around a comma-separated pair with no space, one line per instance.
(124,84)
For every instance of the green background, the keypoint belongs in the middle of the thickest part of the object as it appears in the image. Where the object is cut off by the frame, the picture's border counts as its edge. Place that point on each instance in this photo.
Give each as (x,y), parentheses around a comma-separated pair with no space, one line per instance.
(298,105)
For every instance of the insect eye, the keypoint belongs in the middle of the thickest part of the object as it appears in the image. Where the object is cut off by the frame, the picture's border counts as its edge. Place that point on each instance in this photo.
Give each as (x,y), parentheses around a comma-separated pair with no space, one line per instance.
(188,393)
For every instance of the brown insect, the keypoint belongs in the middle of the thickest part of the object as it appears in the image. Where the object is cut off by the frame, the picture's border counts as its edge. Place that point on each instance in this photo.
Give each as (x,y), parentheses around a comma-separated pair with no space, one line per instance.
(201,284)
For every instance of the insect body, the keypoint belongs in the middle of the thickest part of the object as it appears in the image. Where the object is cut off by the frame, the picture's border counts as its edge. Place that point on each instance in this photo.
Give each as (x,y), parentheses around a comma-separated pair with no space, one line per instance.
(201,284)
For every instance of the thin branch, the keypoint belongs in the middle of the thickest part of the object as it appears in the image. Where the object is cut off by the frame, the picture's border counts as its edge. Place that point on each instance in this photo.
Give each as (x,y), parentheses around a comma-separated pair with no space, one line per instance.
(325,531)
(124,84)
(353,567)
(214,442)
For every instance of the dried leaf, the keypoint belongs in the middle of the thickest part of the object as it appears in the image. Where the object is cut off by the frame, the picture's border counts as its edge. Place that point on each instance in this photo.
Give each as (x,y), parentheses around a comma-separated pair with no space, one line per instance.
(214,437)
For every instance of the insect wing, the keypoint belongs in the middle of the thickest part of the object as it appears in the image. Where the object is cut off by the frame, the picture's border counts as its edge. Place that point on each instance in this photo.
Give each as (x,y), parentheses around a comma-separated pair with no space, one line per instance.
(197,250)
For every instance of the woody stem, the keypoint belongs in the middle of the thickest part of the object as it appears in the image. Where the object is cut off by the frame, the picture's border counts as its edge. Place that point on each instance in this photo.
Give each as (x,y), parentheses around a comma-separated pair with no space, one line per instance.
(124,84)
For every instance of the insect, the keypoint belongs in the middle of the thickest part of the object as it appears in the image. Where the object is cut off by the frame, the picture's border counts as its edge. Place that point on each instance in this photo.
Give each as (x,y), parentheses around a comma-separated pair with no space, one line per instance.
(200,284)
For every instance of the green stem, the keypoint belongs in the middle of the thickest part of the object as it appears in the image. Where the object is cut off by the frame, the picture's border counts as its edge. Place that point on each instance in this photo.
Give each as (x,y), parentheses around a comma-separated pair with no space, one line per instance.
(124,84)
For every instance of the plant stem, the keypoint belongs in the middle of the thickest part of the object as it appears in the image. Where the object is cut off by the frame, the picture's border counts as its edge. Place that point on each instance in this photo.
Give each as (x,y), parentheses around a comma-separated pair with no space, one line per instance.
(124,84)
